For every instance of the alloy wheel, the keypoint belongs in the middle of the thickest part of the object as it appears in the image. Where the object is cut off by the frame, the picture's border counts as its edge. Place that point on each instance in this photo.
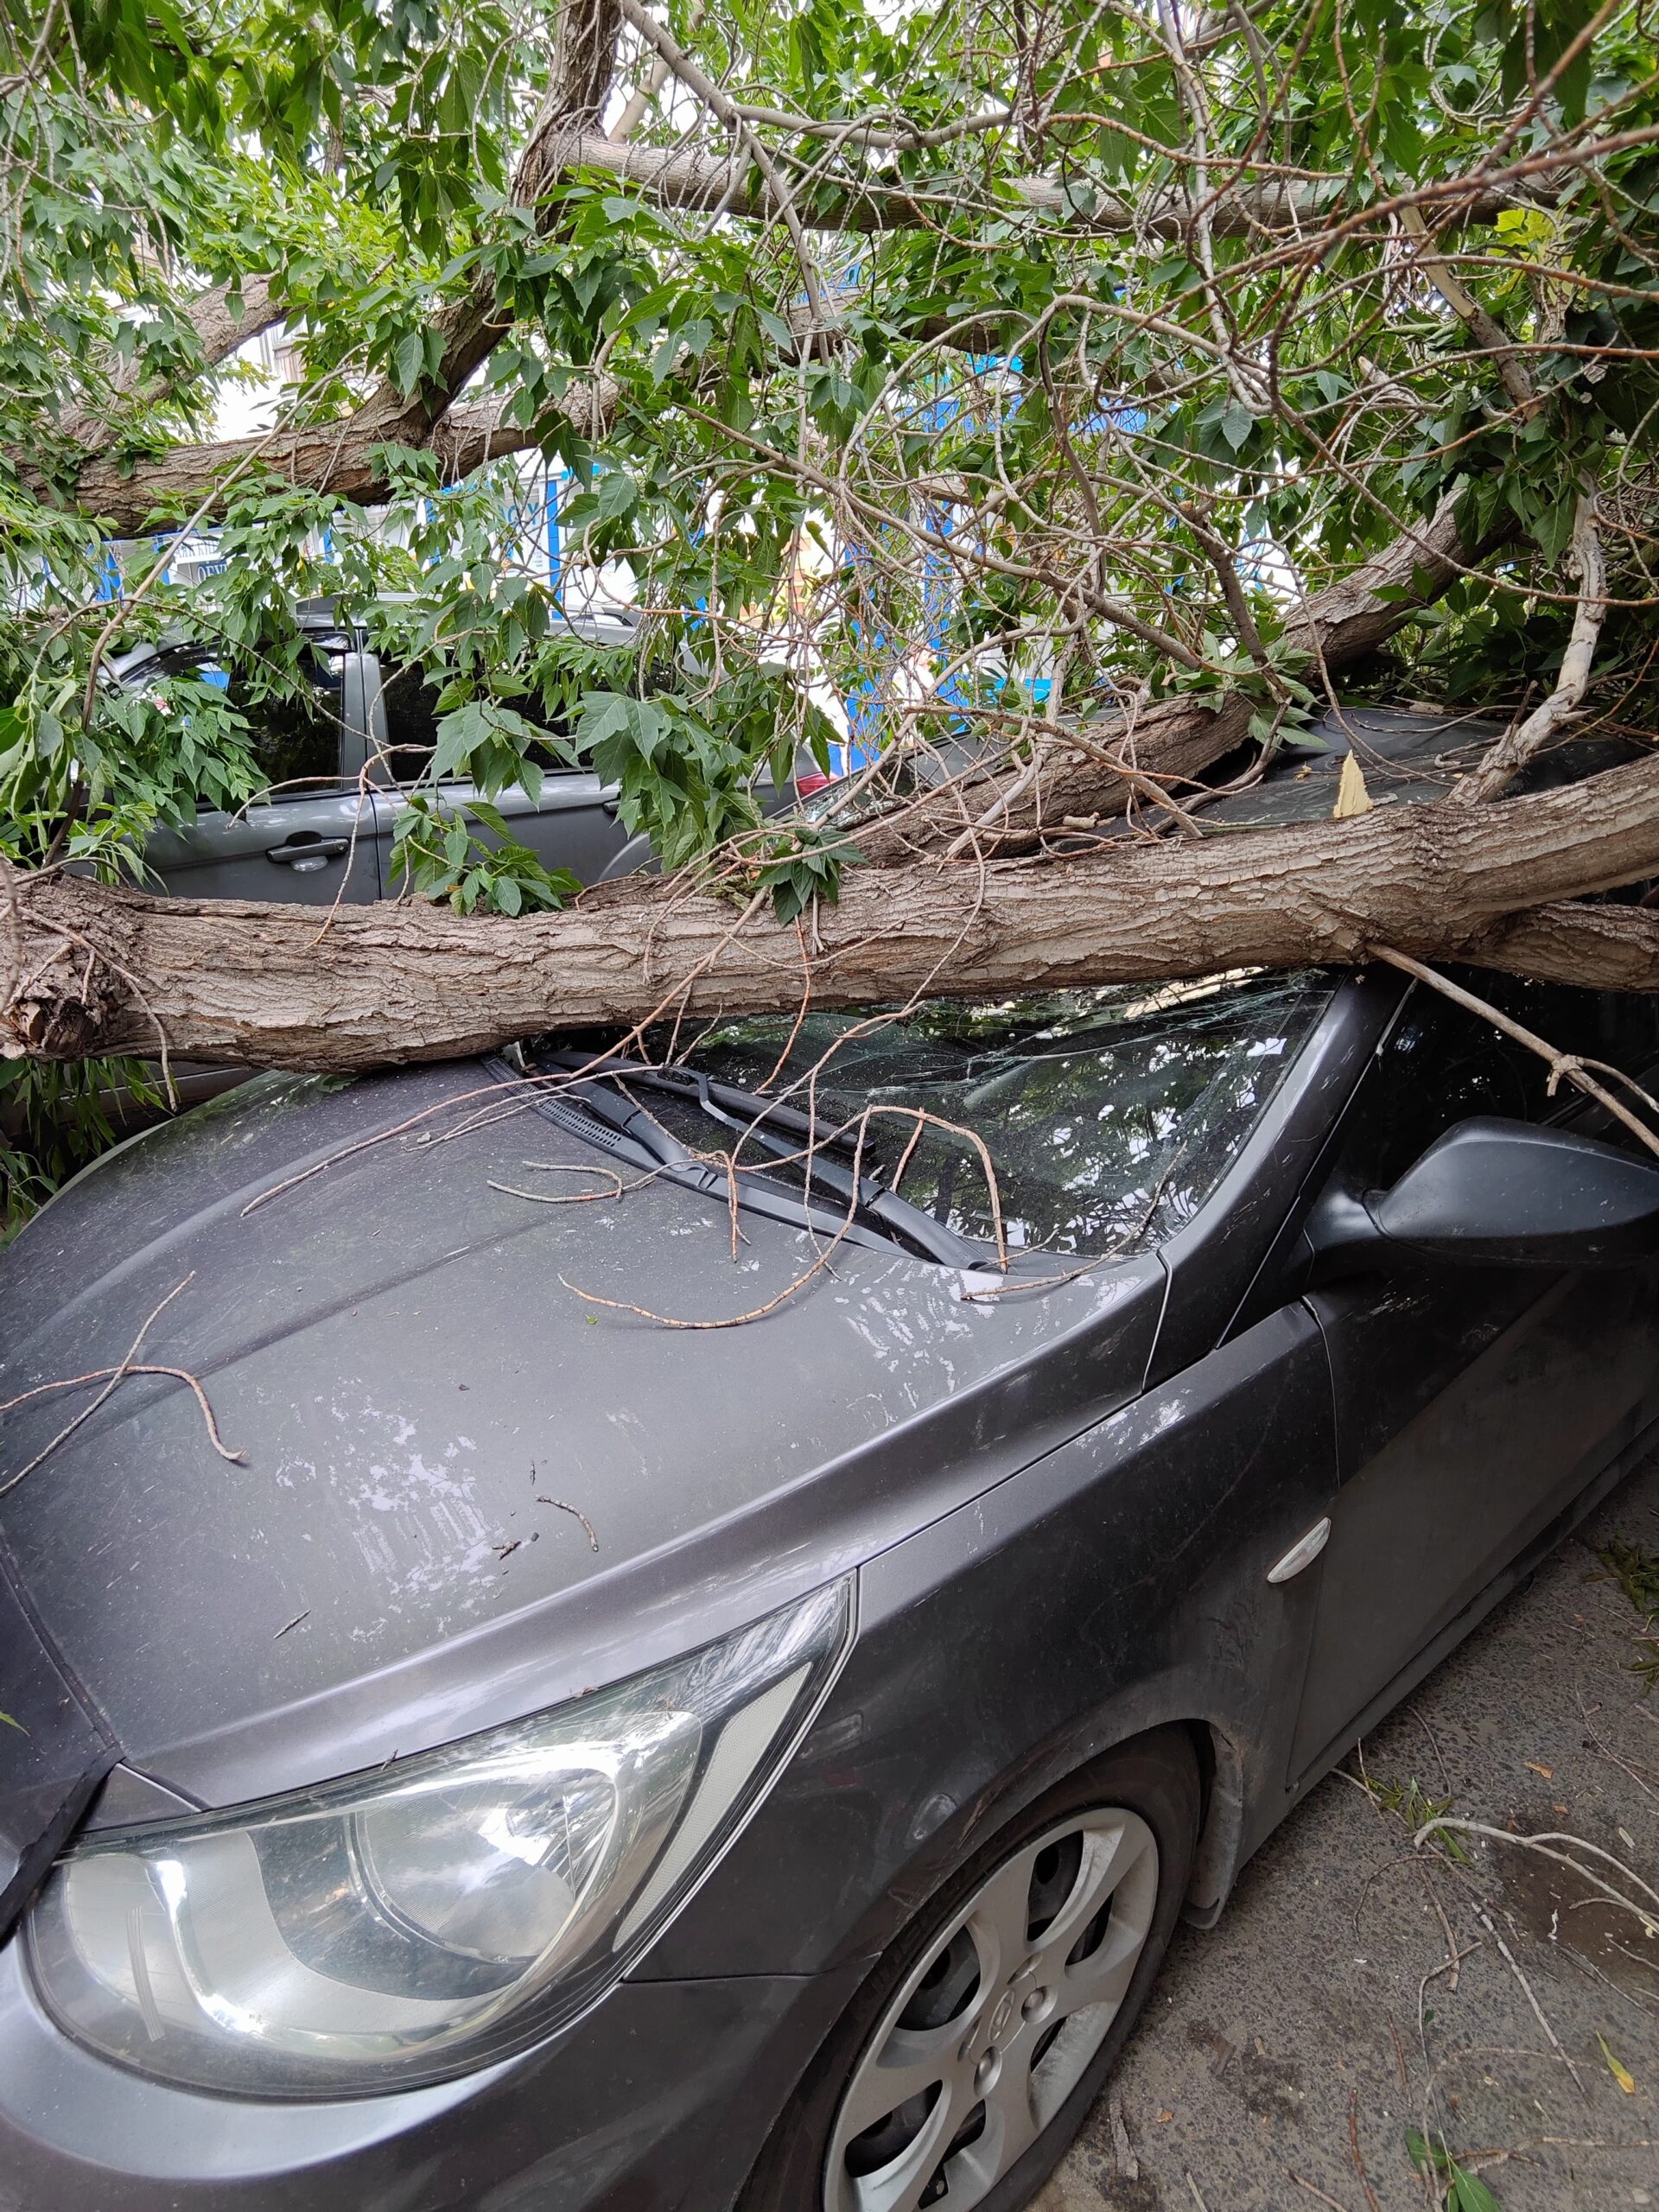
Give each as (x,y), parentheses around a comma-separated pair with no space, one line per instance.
(992,2030)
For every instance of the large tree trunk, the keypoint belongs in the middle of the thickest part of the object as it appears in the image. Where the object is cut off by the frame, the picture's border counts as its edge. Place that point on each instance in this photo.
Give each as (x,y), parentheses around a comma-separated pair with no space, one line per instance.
(97,970)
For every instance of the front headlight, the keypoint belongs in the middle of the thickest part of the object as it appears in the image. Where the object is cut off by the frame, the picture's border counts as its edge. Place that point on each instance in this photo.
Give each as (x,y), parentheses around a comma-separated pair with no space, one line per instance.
(397,1928)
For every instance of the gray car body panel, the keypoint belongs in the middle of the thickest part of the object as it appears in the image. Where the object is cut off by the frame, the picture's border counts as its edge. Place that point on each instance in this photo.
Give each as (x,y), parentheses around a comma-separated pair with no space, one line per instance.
(590,2116)
(300,849)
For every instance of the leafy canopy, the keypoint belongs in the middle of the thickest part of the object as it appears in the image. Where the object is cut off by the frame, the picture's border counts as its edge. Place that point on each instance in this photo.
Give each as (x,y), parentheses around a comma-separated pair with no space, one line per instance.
(1088,341)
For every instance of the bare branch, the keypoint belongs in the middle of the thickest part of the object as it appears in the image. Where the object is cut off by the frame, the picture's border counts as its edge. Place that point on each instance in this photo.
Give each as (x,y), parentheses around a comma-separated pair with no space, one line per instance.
(730,185)
(1513,750)
(1564,1067)
(1487,331)
(699,81)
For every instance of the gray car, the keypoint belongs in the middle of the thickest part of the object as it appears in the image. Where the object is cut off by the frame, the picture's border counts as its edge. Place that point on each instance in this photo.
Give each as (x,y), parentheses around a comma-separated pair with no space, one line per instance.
(339,761)
(716,1692)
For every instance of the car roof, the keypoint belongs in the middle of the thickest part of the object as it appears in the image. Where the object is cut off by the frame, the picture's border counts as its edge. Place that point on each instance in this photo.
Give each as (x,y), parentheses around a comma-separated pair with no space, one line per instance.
(1405,754)
(606,625)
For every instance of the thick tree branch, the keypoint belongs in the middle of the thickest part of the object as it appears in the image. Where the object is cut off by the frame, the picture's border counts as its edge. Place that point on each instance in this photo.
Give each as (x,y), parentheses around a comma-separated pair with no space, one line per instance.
(101,969)
(225,319)
(1594,948)
(731,184)
(336,457)
(219,333)
(333,457)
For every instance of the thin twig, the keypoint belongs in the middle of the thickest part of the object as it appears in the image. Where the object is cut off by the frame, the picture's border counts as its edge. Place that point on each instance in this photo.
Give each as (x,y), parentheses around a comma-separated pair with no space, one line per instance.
(112,1378)
(1353,2140)
(1541,1844)
(592,1536)
(1452,1951)
(1332,2201)
(1509,1959)
(1563,1066)
(572,1198)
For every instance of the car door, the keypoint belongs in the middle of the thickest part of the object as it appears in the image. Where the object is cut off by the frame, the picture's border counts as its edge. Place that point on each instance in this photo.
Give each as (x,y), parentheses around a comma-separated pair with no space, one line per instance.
(571,824)
(1473,1403)
(312,841)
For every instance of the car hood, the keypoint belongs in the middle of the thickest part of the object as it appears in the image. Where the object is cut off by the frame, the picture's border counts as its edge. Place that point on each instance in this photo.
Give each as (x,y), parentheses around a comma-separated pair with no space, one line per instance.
(471,1481)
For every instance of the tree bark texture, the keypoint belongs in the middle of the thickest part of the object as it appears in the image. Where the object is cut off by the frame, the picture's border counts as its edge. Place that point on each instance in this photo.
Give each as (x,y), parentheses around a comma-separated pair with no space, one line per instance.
(332,457)
(97,970)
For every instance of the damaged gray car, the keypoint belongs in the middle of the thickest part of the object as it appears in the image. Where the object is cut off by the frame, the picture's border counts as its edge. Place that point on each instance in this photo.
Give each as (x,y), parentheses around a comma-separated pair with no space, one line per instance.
(716,1691)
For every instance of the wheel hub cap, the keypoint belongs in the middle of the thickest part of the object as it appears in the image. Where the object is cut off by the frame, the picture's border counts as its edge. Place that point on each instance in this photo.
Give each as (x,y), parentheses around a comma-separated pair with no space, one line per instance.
(991,2031)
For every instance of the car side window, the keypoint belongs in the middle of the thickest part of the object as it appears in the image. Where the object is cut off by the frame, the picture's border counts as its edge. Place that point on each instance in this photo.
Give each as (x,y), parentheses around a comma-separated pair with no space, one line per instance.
(296,737)
(410,703)
(1442,1064)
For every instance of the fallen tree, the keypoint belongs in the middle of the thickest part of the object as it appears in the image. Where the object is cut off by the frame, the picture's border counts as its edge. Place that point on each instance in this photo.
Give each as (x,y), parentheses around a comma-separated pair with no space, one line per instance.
(101,969)
(1092,398)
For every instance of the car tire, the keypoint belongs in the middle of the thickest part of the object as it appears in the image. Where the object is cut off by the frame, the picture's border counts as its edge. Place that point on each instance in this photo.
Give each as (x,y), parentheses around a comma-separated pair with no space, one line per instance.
(1103,1857)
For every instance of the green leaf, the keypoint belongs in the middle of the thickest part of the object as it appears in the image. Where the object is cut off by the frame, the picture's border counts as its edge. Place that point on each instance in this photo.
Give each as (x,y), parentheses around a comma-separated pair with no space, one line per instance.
(604,714)
(1462,2191)
(617,495)
(409,360)
(459,734)
(1468,2193)
(1236,423)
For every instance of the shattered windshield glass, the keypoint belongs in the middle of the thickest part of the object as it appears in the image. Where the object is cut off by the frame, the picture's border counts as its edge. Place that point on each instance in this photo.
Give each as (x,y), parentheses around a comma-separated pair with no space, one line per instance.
(1109,1116)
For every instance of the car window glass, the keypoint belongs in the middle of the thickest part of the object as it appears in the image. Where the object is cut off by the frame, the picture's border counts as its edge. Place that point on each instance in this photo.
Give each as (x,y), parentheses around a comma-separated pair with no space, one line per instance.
(1442,1063)
(296,738)
(1110,1116)
(410,703)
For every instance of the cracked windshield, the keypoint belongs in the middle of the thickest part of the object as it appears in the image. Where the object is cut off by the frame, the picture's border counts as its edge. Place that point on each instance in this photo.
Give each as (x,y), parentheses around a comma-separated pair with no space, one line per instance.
(1110,1116)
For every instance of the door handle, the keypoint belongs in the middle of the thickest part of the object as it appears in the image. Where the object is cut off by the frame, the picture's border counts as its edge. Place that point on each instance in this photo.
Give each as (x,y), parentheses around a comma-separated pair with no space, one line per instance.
(306,854)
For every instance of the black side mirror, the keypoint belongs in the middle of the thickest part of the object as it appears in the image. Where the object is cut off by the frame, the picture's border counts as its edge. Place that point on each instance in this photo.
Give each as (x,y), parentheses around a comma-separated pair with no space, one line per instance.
(1498,1193)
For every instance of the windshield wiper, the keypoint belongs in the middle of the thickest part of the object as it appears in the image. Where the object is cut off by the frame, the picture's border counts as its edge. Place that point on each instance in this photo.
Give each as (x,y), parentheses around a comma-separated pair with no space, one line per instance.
(785,1131)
